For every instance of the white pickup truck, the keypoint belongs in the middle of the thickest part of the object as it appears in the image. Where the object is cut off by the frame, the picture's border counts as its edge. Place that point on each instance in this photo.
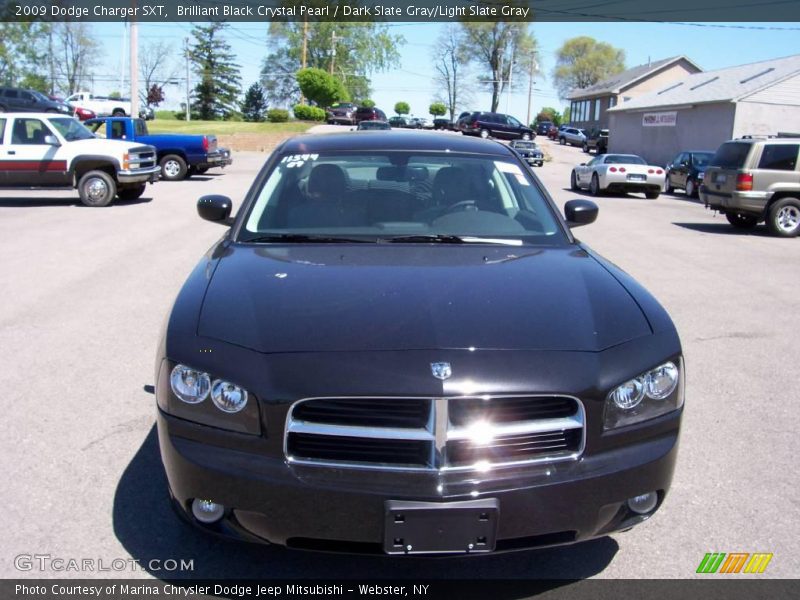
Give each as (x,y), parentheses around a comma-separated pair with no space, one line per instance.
(102,106)
(53,151)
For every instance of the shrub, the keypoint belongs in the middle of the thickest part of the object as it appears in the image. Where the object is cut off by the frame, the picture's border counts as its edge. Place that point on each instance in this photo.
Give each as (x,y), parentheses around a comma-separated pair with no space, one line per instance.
(277,115)
(304,112)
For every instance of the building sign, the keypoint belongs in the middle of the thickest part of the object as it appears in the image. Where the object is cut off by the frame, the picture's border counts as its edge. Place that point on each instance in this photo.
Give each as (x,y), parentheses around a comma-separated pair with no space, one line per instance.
(660,119)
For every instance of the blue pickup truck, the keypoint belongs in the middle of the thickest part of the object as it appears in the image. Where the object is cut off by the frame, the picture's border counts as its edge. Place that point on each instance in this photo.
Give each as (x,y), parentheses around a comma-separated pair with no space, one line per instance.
(179,155)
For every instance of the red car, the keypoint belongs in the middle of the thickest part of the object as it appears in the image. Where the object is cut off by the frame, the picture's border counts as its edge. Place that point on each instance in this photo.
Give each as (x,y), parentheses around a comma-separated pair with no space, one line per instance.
(84,114)
(552,133)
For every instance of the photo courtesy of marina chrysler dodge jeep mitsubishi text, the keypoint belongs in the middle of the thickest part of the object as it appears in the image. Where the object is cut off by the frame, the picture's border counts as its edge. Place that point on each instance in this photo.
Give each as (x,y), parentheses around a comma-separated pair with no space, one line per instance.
(398,346)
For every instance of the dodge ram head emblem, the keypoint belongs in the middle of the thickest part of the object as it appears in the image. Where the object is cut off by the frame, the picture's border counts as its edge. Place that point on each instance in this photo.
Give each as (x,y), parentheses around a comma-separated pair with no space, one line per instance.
(441,370)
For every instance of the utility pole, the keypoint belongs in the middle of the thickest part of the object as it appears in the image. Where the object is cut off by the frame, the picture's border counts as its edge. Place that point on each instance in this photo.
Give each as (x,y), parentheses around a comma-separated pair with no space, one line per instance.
(51,60)
(305,52)
(333,50)
(122,56)
(134,65)
(510,69)
(186,53)
(530,85)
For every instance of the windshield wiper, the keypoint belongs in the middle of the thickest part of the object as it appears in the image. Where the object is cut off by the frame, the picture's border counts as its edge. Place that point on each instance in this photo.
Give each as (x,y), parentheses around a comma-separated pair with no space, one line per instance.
(300,238)
(449,239)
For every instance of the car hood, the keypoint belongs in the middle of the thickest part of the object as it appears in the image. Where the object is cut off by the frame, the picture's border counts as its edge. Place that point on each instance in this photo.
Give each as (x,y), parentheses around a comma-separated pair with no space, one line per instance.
(314,298)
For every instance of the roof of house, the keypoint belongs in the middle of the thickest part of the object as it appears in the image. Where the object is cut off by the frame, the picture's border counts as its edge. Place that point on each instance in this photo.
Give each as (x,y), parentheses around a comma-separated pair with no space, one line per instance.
(615,83)
(723,85)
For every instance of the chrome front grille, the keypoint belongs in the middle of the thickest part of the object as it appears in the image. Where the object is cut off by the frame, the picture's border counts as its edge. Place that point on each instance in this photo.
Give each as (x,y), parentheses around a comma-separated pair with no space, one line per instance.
(439,434)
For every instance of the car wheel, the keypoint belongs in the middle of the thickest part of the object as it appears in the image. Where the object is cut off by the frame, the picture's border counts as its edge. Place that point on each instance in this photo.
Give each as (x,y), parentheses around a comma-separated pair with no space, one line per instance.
(586,148)
(594,186)
(173,168)
(784,217)
(562,141)
(652,195)
(573,182)
(132,193)
(668,188)
(526,136)
(97,188)
(691,189)
(741,221)
(484,133)
(118,112)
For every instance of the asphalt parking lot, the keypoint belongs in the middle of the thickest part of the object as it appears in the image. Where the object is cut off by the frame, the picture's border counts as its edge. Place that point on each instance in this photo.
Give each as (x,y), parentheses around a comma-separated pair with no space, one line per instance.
(85,292)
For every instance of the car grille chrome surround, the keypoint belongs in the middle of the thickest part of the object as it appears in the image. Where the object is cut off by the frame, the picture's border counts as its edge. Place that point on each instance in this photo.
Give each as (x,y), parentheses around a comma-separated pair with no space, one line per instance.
(461,433)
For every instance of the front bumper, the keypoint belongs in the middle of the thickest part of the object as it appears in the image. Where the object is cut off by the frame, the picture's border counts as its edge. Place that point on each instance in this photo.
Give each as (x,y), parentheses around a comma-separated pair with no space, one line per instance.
(338,509)
(534,160)
(150,174)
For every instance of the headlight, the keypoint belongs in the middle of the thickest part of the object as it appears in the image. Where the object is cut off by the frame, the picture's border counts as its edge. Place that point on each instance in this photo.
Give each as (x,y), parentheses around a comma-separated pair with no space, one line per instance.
(700,175)
(651,394)
(228,397)
(189,385)
(229,407)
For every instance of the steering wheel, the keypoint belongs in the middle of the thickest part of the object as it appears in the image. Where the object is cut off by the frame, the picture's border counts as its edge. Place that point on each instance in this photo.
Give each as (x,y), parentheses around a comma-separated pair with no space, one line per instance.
(463,205)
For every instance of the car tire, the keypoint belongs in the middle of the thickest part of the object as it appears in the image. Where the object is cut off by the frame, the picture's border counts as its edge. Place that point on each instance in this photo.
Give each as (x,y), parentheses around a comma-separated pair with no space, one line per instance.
(132,193)
(484,133)
(117,112)
(173,168)
(526,137)
(741,221)
(691,188)
(783,218)
(97,188)
(652,195)
(562,141)
(594,186)
(573,182)
(586,148)
(668,188)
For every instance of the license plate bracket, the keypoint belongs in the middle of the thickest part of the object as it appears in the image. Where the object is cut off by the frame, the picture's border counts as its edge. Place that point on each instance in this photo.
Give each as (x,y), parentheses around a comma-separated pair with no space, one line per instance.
(637,177)
(440,527)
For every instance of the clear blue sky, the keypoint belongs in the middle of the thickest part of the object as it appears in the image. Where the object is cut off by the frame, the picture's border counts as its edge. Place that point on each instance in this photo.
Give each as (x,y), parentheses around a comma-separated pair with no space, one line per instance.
(712,46)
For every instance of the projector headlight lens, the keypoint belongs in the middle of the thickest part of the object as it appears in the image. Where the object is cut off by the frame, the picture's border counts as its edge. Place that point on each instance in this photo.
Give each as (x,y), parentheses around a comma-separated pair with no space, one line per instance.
(653,393)
(228,397)
(190,385)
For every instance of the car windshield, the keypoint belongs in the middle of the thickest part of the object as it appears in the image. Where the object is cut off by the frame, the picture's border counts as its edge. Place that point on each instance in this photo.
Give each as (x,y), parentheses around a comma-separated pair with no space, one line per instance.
(400,196)
(701,159)
(624,159)
(71,130)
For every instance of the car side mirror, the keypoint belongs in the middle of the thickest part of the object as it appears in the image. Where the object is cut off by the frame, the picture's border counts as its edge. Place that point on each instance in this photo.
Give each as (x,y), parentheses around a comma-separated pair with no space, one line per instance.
(582,165)
(215,208)
(51,140)
(580,212)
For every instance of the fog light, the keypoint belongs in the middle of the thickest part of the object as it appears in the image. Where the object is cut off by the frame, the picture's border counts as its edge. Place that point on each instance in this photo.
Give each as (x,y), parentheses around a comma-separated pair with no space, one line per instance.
(207,511)
(643,504)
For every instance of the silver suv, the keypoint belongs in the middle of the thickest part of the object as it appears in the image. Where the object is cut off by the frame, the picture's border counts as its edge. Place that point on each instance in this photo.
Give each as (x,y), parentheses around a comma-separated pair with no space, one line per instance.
(572,136)
(751,180)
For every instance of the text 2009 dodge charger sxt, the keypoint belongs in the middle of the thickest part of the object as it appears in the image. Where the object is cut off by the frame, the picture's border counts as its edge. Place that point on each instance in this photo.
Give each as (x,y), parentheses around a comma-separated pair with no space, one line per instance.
(398,346)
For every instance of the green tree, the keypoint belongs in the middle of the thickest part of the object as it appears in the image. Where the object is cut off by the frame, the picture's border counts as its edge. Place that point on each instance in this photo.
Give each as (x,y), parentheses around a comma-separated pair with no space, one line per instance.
(451,61)
(254,104)
(367,103)
(548,113)
(215,96)
(583,61)
(23,55)
(402,108)
(565,115)
(499,48)
(320,87)
(76,53)
(437,109)
(351,51)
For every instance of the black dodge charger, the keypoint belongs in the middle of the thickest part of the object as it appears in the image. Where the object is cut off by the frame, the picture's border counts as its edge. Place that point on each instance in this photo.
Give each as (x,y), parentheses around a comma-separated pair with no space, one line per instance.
(398,346)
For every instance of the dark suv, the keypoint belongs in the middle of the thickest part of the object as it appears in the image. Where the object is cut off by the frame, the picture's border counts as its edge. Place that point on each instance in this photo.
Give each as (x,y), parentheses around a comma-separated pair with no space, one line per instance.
(369,114)
(19,100)
(597,140)
(487,124)
(341,113)
(543,127)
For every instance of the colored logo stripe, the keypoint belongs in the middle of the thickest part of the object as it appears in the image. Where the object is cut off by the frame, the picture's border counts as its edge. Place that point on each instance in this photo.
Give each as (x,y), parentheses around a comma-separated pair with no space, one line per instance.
(758,563)
(734,562)
(711,562)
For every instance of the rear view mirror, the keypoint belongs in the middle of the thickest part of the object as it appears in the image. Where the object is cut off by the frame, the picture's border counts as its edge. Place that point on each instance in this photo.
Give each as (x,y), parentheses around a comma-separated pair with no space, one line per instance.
(216,209)
(580,212)
(51,140)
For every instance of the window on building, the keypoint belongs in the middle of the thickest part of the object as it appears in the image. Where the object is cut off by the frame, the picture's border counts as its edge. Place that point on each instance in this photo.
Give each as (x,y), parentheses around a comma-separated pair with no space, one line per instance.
(779,157)
(612,101)
(597,109)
